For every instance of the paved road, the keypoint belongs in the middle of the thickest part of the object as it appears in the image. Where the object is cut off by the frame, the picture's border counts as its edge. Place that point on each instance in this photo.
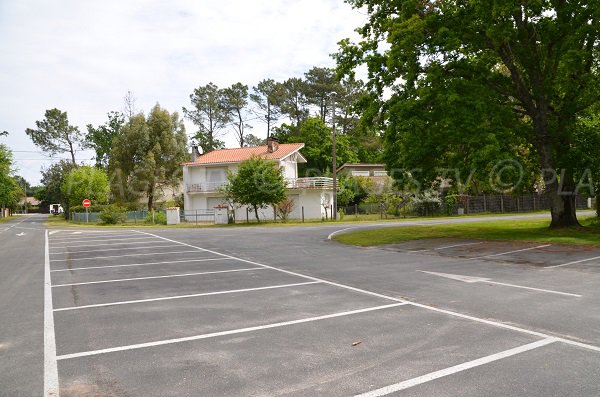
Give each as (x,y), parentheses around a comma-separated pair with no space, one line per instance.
(22,307)
(284,311)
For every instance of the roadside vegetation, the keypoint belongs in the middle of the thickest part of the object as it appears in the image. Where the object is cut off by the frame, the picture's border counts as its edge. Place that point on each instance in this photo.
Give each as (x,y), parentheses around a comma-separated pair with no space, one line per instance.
(503,102)
(531,230)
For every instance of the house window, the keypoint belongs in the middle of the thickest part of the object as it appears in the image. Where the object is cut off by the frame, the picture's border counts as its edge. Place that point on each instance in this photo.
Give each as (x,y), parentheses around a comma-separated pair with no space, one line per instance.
(380,173)
(360,173)
(216,174)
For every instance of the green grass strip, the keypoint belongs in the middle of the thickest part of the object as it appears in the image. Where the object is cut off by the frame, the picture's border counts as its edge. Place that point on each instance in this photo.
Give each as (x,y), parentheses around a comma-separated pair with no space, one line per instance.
(532,230)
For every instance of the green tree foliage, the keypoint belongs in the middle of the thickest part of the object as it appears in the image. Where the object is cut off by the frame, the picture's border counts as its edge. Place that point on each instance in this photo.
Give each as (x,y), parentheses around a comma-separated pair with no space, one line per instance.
(481,81)
(146,156)
(24,185)
(55,135)
(236,102)
(85,182)
(210,114)
(320,84)
(253,140)
(257,183)
(10,191)
(52,180)
(267,97)
(293,102)
(318,139)
(585,154)
(100,138)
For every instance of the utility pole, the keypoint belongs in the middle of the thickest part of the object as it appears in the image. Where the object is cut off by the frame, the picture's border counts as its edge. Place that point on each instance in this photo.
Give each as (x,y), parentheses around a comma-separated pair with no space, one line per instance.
(334,173)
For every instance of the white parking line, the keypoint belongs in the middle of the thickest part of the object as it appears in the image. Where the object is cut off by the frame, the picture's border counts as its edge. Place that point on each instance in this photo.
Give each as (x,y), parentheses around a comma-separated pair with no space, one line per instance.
(224,333)
(441,248)
(573,263)
(139,264)
(120,280)
(458,245)
(112,249)
(121,256)
(166,298)
(90,238)
(550,291)
(512,252)
(384,391)
(94,235)
(371,293)
(103,240)
(51,386)
(152,241)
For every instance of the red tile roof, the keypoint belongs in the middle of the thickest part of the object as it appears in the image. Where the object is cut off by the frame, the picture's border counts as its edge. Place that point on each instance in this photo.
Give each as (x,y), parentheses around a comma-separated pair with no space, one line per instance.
(241,154)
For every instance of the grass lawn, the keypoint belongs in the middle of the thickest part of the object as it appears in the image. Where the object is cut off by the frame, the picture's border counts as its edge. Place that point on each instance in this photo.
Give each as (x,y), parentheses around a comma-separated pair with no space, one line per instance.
(3,220)
(59,221)
(534,230)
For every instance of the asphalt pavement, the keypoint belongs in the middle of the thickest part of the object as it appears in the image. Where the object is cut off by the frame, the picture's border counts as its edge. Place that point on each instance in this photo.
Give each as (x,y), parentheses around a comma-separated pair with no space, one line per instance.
(272,311)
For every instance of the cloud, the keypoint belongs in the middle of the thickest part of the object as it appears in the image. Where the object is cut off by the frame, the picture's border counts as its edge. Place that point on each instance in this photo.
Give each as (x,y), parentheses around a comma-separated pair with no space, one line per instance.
(82,57)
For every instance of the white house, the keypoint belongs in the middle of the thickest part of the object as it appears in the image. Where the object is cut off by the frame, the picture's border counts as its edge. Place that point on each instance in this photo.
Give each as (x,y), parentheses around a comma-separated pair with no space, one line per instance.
(207,173)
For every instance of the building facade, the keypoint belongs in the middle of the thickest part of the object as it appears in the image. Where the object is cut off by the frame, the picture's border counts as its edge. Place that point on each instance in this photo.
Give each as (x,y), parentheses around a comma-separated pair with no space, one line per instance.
(206,175)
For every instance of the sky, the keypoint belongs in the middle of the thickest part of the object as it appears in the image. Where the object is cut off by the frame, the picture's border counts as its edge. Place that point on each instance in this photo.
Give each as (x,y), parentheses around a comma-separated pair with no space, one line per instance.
(83,57)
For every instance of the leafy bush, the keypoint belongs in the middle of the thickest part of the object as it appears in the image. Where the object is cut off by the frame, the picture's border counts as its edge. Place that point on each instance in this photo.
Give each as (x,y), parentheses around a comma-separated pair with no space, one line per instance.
(112,215)
(427,203)
(160,218)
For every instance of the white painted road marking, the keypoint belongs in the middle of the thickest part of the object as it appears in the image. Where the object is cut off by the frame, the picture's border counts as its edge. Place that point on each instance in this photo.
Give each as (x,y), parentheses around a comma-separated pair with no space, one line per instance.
(152,241)
(166,298)
(112,249)
(21,234)
(139,264)
(332,235)
(50,365)
(457,368)
(89,237)
(103,240)
(224,333)
(121,256)
(371,293)
(512,252)
(442,248)
(13,225)
(469,279)
(457,277)
(458,245)
(120,280)
(573,263)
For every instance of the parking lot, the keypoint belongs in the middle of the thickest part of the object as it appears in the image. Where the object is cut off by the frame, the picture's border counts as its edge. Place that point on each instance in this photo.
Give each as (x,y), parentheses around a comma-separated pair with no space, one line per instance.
(283,311)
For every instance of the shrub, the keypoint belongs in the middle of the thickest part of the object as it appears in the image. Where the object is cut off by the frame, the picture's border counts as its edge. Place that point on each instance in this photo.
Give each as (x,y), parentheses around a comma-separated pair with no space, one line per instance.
(160,218)
(285,208)
(112,215)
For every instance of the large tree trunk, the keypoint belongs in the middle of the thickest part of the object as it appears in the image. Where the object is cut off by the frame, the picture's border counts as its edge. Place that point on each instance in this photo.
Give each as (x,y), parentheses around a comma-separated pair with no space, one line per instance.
(561,195)
(562,209)
(560,189)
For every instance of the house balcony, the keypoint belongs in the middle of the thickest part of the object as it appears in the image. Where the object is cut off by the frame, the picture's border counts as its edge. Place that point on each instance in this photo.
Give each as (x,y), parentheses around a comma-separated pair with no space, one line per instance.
(205,187)
(292,183)
(310,183)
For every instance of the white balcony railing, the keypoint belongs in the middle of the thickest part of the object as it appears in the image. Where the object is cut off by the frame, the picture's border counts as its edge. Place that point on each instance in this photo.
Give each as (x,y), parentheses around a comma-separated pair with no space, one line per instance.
(205,187)
(310,183)
(292,183)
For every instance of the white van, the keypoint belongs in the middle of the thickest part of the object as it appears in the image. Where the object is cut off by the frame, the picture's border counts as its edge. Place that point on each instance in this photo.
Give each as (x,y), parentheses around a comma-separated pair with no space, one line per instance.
(56,209)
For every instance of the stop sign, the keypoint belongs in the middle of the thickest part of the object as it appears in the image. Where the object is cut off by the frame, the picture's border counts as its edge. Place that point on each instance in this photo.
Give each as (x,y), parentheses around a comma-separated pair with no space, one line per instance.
(86,203)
